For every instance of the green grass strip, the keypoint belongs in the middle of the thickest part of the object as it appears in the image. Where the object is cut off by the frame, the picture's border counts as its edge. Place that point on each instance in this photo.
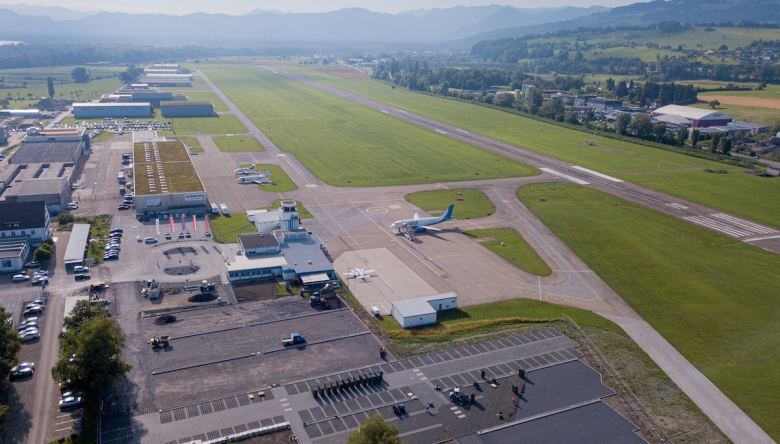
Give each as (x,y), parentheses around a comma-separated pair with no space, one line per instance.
(712,297)
(510,245)
(469,203)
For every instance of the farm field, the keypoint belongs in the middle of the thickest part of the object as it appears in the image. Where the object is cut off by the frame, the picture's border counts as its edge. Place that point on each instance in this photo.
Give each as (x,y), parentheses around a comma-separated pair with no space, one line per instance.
(753,114)
(625,160)
(770,92)
(237,144)
(64,88)
(469,202)
(718,314)
(327,133)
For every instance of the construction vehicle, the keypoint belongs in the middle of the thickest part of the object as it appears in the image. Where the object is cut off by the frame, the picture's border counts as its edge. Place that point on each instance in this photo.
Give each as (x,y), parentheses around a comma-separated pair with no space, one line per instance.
(160,342)
(293,339)
(399,409)
(98,286)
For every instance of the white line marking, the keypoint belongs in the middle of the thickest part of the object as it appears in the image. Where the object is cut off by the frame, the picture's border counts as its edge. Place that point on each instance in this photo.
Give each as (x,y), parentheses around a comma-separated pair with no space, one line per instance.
(440,131)
(745,224)
(288,410)
(423,378)
(462,131)
(384,111)
(755,239)
(564,176)
(677,206)
(453,408)
(603,176)
(711,224)
(461,416)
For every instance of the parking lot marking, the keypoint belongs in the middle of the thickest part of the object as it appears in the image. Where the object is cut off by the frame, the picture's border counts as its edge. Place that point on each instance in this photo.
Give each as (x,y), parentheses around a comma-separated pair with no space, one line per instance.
(287,410)
(461,416)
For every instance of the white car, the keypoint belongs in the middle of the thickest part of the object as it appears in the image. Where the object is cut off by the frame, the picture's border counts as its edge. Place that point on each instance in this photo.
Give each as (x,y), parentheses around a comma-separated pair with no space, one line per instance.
(20,278)
(80,269)
(29,335)
(70,401)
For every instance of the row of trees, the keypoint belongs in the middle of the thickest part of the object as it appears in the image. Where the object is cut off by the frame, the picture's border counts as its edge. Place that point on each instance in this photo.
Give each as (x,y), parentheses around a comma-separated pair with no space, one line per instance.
(10,343)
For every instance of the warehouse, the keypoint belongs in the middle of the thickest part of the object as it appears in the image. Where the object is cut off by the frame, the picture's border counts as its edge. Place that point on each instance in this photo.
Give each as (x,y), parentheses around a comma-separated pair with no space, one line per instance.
(422,311)
(100,110)
(146,95)
(699,118)
(187,109)
(165,181)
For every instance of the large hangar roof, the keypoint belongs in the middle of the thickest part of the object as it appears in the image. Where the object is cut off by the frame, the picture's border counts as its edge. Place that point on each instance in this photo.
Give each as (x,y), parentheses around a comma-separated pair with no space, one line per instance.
(690,113)
(46,152)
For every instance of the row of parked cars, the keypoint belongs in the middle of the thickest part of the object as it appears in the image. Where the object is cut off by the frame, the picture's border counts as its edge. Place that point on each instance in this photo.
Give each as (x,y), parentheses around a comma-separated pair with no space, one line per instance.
(127,203)
(28,330)
(113,245)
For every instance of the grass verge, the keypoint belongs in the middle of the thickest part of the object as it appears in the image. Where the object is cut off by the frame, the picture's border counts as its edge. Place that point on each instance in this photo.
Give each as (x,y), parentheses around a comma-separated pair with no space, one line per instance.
(510,245)
(226,228)
(469,203)
(704,292)
(196,150)
(105,135)
(344,144)
(237,144)
(190,141)
(206,125)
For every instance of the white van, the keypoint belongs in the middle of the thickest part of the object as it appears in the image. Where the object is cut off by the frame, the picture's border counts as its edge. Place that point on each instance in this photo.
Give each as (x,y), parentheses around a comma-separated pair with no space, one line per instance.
(223,208)
(214,209)
(80,269)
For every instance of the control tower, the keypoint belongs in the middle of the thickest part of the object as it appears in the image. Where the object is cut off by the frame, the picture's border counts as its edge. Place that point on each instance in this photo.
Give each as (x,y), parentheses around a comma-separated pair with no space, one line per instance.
(288,215)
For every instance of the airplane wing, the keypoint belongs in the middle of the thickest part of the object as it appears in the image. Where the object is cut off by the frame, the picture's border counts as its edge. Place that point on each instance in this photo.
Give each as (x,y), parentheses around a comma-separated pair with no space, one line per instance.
(416,215)
(431,228)
(258,181)
(367,272)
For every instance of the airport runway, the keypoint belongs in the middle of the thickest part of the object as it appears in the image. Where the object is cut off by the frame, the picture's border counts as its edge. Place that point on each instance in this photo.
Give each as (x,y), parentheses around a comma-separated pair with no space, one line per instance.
(512,214)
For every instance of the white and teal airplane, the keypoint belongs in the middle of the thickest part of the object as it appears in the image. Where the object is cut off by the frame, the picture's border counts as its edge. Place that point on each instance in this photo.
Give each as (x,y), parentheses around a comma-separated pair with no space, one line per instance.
(423,223)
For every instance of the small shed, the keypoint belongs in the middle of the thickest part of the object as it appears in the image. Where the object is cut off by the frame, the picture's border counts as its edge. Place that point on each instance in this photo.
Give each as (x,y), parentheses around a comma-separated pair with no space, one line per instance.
(418,312)
(77,245)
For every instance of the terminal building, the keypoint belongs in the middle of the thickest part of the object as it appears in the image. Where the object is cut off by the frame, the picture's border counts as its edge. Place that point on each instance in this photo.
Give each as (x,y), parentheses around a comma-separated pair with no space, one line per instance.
(165,181)
(45,168)
(289,252)
(92,110)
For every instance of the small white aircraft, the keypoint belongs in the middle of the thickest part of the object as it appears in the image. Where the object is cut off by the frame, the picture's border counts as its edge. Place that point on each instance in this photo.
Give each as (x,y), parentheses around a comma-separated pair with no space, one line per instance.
(409,226)
(359,273)
(245,170)
(255,178)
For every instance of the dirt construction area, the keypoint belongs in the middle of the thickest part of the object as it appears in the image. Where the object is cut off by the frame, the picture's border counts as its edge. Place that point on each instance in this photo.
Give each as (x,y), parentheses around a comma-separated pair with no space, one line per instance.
(743,101)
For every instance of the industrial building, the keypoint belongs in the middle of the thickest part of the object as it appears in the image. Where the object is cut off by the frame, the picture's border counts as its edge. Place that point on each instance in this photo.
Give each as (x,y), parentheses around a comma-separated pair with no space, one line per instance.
(698,118)
(418,312)
(77,245)
(138,94)
(187,109)
(603,104)
(165,181)
(25,221)
(13,252)
(26,113)
(99,110)
(167,80)
(45,167)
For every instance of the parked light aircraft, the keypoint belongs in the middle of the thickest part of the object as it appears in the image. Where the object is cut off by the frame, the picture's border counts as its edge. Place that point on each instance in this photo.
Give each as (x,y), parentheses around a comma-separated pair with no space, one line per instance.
(359,273)
(245,170)
(419,224)
(255,178)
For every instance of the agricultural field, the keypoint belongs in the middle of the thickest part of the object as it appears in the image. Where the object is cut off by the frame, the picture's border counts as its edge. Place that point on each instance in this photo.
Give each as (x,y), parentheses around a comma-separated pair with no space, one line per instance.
(769,92)
(651,167)
(717,312)
(469,203)
(510,245)
(103,81)
(237,144)
(327,133)
(753,114)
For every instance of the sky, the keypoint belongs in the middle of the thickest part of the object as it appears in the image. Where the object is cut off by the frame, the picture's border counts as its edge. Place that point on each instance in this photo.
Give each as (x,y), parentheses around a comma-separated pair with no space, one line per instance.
(235,7)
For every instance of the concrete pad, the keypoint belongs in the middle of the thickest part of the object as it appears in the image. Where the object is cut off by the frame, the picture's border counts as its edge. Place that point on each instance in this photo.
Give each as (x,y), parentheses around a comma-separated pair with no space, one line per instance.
(392,279)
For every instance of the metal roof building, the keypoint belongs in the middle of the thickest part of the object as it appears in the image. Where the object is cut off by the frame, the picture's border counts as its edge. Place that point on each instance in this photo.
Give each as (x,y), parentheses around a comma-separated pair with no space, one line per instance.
(700,118)
(79,236)
(418,312)
(187,109)
(100,110)
(48,152)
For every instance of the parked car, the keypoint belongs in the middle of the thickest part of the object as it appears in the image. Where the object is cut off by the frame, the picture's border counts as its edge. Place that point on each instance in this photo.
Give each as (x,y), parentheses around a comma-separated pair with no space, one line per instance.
(139,238)
(37,309)
(32,265)
(82,277)
(70,401)
(20,278)
(150,240)
(207,233)
(123,207)
(27,324)
(167,236)
(29,335)
(187,234)
(42,281)
(117,230)
(18,372)
(41,273)
(80,269)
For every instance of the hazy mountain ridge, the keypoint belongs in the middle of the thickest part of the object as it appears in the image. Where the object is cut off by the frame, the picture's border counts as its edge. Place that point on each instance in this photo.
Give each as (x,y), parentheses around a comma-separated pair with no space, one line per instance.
(56,13)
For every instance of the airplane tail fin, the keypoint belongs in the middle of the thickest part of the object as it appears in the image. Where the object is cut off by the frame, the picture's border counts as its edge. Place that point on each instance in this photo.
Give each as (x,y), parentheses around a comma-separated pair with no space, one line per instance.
(267,173)
(448,214)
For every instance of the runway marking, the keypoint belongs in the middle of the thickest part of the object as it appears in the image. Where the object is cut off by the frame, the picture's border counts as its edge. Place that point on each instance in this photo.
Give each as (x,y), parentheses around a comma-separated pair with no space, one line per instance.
(677,206)
(376,210)
(564,176)
(756,239)
(311,185)
(384,111)
(394,207)
(443,186)
(603,176)
(717,226)
(281,155)
(439,131)
(462,131)
(760,229)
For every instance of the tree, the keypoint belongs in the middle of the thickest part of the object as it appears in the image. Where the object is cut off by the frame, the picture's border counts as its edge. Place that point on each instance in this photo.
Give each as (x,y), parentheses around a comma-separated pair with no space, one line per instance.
(723,48)
(375,431)
(641,125)
(43,253)
(80,75)
(91,356)
(620,89)
(610,84)
(9,350)
(621,123)
(725,145)
(536,97)
(694,138)
(50,86)
(82,311)
(715,142)
(681,135)
(714,103)
(659,131)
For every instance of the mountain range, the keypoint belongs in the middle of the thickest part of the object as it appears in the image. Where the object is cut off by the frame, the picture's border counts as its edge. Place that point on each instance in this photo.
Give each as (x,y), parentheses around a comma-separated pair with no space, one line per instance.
(456,28)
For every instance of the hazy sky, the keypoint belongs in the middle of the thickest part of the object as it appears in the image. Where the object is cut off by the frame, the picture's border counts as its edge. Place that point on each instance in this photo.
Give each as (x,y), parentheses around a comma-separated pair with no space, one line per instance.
(179,7)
